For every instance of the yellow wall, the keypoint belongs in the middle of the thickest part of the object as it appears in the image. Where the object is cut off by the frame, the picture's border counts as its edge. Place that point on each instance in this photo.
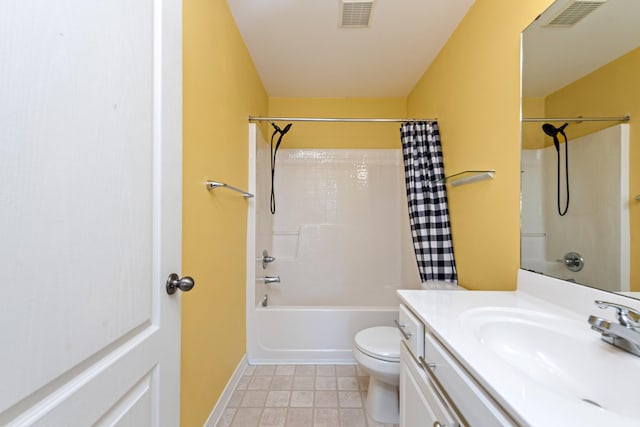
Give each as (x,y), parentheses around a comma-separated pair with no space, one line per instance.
(609,91)
(340,135)
(473,87)
(221,88)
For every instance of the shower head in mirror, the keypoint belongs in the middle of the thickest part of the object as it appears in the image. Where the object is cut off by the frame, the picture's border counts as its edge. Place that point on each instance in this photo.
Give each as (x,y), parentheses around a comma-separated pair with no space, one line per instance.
(553,132)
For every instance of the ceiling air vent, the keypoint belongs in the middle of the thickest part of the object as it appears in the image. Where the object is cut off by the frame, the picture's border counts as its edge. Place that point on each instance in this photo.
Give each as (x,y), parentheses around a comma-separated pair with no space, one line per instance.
(356,13)
(575,12)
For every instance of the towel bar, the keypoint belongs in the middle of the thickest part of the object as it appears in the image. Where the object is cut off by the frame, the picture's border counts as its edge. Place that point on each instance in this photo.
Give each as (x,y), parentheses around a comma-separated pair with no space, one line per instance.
(212,185)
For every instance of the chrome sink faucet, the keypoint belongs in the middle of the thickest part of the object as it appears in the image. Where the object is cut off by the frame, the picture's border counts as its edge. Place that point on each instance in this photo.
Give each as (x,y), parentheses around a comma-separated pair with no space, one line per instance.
(625,334)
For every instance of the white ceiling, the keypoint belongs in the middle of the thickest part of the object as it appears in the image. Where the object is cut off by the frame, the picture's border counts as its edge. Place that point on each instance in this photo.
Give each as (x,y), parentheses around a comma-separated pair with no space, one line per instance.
(300,51)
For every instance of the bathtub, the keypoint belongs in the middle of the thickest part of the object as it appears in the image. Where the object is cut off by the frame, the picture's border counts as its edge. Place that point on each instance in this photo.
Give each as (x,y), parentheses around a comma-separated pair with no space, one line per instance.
(308,334)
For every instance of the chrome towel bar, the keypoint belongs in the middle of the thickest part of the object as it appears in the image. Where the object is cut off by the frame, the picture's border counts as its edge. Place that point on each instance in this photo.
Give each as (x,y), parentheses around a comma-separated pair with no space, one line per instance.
(212,185)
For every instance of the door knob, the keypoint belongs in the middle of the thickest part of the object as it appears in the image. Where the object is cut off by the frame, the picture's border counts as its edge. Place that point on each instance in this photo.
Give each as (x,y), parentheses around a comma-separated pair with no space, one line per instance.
(174,282)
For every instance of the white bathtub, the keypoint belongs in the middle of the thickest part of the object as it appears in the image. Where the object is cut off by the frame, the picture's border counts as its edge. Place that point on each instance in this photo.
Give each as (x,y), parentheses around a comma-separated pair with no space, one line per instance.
(310,334)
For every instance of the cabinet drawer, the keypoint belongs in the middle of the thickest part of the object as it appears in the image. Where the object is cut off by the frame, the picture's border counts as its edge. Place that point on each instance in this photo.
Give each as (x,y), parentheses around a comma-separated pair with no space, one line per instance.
(472,401)
(412,331)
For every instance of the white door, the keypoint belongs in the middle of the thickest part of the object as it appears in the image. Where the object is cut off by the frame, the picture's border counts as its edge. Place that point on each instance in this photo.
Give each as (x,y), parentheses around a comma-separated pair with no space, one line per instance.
(90,203)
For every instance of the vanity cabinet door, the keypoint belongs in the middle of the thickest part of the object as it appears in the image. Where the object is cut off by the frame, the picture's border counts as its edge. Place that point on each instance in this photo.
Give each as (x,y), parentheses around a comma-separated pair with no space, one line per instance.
(420,403)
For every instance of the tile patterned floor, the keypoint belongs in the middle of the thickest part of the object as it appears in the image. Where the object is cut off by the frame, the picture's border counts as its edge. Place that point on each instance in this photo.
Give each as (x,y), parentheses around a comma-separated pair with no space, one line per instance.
(299,396)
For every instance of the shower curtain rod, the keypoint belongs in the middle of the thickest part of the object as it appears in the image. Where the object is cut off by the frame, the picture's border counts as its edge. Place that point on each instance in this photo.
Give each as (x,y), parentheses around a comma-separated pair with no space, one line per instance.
(624,118)
(335,120)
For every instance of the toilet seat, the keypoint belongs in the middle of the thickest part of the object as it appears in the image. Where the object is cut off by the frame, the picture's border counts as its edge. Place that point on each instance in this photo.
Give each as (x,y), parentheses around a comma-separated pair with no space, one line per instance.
(380,342)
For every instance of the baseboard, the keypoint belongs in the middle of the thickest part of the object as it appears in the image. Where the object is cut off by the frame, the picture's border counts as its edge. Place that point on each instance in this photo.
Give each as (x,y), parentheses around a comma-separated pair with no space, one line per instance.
(217,411)
(301,361)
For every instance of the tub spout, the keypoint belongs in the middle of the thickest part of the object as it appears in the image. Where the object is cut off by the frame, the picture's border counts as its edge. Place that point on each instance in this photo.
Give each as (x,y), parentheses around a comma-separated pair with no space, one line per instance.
(269,279)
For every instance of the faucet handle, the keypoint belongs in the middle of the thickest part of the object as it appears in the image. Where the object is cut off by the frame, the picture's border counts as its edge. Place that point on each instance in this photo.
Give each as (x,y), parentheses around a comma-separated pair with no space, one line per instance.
(266,259)
(627,316)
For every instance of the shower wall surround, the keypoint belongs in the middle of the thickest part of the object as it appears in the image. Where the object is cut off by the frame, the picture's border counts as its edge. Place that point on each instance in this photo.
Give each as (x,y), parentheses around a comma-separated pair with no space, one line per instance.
(597,222)
(340,233)
(342,244)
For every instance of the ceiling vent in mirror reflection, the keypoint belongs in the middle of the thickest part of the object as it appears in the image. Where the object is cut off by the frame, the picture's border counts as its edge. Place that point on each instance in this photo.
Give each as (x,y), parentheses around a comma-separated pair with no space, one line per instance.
(574,12)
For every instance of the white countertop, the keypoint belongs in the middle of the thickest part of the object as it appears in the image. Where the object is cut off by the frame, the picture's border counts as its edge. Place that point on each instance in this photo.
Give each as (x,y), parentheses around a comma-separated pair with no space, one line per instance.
(530,402)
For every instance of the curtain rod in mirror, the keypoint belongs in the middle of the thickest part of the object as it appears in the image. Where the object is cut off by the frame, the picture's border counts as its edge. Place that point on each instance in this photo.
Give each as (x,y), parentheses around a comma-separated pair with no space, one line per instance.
(624,118)
(334,119)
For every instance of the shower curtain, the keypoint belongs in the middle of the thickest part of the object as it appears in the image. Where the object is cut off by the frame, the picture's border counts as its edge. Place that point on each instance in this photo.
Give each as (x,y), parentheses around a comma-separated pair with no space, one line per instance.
(427,198)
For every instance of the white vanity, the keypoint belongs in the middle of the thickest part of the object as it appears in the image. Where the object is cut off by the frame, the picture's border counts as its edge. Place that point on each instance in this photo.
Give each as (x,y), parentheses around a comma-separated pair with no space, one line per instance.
(529,357)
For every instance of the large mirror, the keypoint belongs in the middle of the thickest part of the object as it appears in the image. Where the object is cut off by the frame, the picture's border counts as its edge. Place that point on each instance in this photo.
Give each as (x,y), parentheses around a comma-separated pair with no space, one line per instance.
(580,212)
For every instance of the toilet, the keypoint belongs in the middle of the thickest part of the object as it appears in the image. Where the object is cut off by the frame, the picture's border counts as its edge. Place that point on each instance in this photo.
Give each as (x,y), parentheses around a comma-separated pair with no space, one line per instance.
(377,350)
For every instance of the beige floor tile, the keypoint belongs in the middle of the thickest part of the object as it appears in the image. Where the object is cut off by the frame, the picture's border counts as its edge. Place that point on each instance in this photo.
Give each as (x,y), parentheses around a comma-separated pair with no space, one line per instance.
(265,370)
(326,399)
(254,399)
(281,382)
(303,383)
(299,396)
(353,417)
(260,383)
(236,398)
(278,399)
(243,383)
(348,383)
(326,383)
(349,399)
(305,370)
(302,399)
(285,369)
(345,370)
(299,417)
(247,417)
(273,417)
(324,417)
(325,371)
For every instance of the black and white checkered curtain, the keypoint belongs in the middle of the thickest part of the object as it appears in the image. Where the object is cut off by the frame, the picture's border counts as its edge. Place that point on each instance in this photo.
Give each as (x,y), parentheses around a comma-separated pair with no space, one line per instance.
(427,197)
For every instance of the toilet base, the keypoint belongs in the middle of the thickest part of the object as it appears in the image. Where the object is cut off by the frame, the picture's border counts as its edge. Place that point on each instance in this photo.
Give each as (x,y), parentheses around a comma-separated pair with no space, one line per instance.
(382,401)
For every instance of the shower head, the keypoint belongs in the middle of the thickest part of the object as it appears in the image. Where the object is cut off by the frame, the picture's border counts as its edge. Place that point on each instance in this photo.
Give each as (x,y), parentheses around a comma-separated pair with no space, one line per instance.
(274,153)
(282,132)
(553,131)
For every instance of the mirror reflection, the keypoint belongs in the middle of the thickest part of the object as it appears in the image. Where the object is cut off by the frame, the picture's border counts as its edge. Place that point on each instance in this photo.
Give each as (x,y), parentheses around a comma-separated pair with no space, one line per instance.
(580,217)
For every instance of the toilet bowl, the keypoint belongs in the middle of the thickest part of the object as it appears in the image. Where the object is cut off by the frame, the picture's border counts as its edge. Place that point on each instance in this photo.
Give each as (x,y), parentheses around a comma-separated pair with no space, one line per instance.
(377,350)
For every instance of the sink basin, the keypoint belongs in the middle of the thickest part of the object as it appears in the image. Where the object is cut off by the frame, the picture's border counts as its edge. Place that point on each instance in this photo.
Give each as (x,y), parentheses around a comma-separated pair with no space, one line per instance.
(561,354)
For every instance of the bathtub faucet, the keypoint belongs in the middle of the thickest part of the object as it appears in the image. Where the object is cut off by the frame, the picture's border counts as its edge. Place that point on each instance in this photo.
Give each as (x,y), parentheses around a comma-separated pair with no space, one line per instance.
(269,279)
